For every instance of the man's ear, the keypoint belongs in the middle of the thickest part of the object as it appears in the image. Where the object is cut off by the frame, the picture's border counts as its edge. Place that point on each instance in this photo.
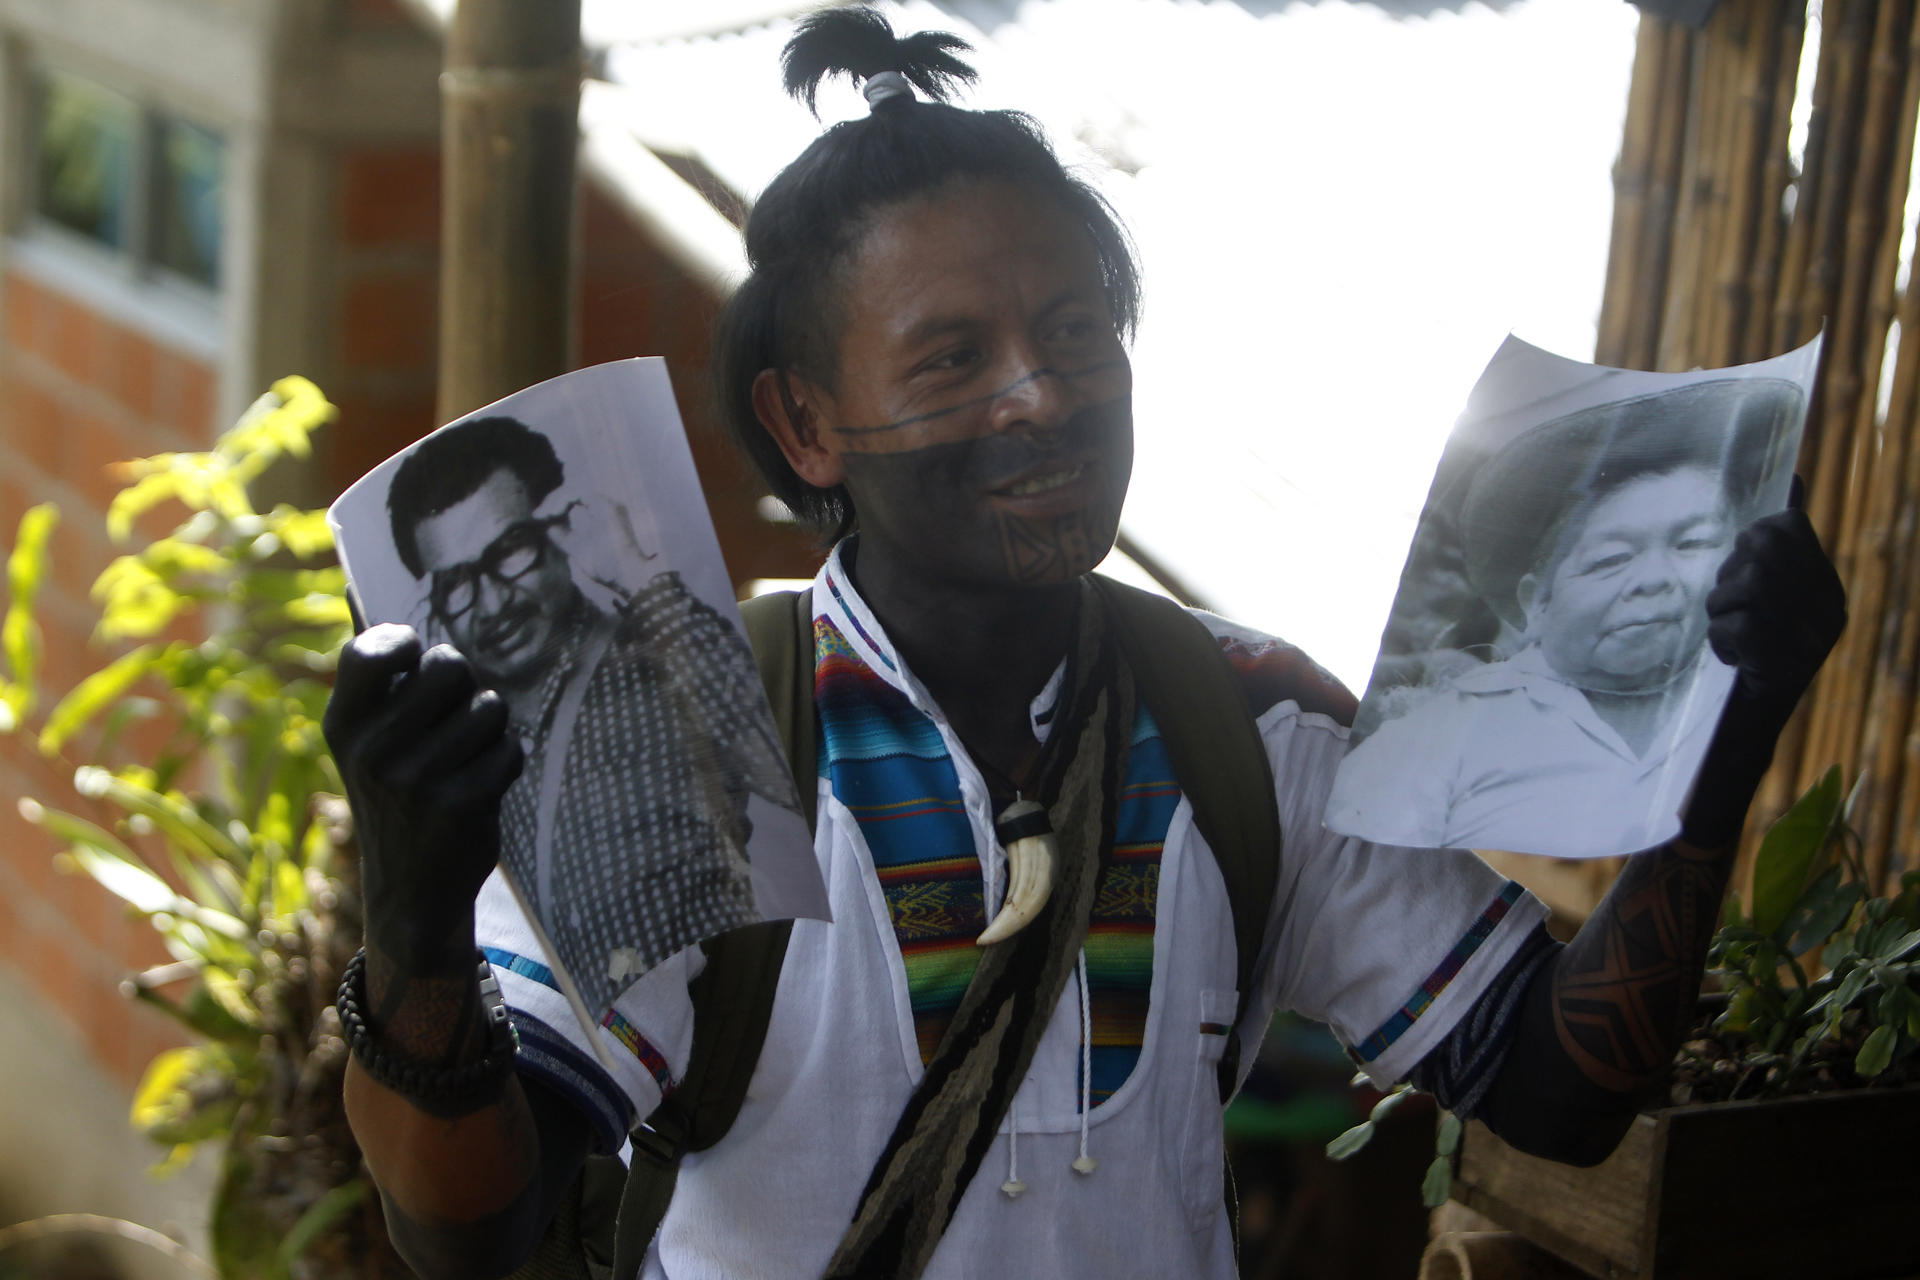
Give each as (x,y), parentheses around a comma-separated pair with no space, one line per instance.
(788,407)
(1530,593)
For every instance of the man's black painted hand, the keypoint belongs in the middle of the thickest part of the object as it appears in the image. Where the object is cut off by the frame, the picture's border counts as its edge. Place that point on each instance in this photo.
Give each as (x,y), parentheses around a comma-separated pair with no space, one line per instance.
(1777,609)
(426,757)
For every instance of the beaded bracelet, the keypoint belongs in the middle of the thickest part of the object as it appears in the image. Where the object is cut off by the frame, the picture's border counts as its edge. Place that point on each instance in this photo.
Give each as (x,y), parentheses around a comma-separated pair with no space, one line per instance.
(440,1091)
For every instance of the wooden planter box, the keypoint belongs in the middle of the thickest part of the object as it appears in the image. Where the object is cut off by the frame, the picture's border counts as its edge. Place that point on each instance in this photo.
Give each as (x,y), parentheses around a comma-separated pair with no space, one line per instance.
(1824,1186)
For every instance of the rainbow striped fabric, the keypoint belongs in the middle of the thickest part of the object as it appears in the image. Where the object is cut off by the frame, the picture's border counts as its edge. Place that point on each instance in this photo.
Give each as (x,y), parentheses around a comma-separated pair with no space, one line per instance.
(624,1031)
(1436,982)
(890,767)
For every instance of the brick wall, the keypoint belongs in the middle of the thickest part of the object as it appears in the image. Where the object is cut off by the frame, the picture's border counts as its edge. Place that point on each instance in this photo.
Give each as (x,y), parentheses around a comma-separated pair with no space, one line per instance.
(633,301)
(636,302)
(78,392)
(385,296)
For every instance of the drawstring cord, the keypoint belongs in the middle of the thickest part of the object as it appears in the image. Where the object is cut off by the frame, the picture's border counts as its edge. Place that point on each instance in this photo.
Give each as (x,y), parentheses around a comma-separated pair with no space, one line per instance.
(1012,1187)
(1085,1164)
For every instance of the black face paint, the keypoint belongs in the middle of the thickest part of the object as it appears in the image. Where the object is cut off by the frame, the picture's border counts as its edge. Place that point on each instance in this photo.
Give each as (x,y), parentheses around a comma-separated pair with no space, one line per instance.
(1015,508)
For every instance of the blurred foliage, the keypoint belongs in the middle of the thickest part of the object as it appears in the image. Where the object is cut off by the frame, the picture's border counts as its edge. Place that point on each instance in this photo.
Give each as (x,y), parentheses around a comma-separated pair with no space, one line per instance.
(1817,982)
(200,736)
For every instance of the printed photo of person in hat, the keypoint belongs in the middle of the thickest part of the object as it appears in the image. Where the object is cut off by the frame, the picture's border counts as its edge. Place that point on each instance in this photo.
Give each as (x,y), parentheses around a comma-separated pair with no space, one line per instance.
(1594,538)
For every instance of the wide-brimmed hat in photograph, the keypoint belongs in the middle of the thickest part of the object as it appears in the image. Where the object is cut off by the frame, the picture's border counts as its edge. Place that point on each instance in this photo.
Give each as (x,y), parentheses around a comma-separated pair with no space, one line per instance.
(1519,497)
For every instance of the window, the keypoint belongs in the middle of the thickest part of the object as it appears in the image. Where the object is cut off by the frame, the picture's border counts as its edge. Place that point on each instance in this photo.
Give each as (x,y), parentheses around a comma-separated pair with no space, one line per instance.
(142,184)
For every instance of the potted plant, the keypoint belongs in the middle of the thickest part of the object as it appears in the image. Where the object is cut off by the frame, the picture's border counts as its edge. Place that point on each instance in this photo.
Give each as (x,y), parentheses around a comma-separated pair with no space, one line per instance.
(223,828)
(1791,1142)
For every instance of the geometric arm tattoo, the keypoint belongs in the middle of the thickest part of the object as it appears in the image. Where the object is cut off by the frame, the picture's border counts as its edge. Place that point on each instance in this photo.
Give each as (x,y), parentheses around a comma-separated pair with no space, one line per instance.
(1625,988)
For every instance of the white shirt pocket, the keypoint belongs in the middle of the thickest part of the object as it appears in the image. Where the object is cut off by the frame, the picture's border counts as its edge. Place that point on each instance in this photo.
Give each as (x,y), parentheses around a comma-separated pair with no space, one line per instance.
(1204,1163)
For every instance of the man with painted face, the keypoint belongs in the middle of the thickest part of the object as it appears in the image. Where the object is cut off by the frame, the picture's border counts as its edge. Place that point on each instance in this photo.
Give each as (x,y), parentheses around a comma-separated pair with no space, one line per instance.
(928,364)
(1597,537)
(627,828)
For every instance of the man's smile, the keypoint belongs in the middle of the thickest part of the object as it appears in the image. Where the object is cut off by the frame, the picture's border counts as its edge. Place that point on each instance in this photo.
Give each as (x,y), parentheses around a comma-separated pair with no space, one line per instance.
(1043,481)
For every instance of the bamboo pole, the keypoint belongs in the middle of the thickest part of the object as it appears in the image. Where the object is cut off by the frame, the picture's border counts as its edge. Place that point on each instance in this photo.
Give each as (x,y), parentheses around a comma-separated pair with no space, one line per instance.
(1777,789)
(1692,228)
(1663,196)
(1894,783)
(1860,550)
(1859,351)
(1632,237)
(1754,44)
(1822,292)
(1895,628)
(1776,175)
(511,103)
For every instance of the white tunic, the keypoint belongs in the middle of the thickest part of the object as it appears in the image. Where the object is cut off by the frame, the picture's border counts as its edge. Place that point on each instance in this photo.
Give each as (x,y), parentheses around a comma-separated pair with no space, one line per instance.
(1389,946)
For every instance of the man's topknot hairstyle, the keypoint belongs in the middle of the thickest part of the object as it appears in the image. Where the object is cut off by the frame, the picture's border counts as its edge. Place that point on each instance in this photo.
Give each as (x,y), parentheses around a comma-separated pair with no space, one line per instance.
(452,464)
(804,229)
(859,44)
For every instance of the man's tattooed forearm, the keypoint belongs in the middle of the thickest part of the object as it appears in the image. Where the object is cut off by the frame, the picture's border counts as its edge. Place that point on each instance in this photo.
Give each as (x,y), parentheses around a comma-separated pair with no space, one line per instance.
(427,1020)
(1625,988)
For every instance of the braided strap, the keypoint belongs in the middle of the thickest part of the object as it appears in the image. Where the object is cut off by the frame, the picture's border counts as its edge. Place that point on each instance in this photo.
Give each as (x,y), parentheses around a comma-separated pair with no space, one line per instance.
(446,1092)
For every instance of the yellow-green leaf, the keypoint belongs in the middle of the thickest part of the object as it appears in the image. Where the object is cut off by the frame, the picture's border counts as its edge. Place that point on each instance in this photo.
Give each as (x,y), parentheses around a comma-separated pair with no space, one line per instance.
(289,889)
(93,695)
(139,498)
(176,555)
(305,533)
(319,611)
(232,997)
(144,891)
(26,570)
(187,1095)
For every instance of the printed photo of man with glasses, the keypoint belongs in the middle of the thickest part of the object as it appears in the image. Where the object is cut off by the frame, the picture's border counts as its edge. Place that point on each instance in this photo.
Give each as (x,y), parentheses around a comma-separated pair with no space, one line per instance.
(642,718)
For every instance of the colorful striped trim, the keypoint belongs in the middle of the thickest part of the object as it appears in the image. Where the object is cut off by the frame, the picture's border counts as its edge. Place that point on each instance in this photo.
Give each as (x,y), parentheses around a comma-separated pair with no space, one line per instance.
(889,766)
(1396,1026)
(623,1031)
(854,618)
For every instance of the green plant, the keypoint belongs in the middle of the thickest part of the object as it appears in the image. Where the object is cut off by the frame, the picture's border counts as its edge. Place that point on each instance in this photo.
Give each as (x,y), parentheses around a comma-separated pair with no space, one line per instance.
(201,740)
(1816,983)
(1814,989)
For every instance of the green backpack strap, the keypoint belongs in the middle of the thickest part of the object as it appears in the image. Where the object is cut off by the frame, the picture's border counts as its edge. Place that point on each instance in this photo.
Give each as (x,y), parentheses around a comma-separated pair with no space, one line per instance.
(733,996)
(1219,760)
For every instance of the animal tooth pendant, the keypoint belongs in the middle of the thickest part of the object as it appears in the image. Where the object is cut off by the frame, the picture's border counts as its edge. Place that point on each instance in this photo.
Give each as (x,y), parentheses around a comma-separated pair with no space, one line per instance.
(1027,835)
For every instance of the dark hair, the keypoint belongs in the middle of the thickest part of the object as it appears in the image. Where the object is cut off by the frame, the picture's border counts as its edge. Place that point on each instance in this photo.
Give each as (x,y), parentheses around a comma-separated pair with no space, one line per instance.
(452,464)
(806,225)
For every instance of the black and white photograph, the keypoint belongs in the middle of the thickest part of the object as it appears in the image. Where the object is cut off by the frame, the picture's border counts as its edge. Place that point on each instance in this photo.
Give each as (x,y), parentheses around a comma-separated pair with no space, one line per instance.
(558,540)
(1544,683)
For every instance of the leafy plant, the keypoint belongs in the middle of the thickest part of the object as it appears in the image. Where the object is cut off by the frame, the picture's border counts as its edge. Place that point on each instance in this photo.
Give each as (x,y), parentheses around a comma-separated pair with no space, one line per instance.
(1817,982)
(201,738)
(1814,989)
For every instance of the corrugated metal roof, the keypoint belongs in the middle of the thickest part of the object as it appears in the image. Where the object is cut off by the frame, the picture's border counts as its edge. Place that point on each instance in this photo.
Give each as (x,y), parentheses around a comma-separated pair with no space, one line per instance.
(1340,208)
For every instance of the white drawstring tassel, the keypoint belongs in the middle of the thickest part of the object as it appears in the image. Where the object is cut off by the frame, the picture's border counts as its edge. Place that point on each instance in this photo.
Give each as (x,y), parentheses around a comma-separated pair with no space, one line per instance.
(1085,1164)
(1012,1187)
